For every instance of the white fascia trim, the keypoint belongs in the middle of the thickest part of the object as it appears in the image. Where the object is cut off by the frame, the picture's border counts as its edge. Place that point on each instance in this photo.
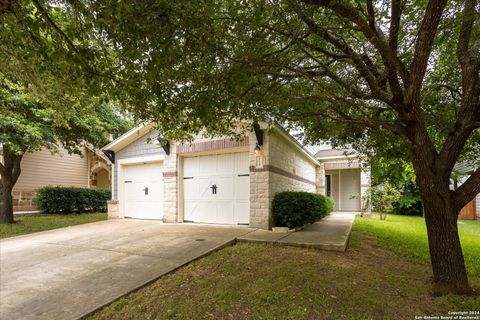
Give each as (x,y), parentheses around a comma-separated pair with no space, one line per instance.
(126,135)
(338,157)
(146,159)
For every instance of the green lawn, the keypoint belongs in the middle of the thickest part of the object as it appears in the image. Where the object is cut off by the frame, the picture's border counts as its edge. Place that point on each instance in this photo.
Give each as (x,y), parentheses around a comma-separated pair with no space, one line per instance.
(408,236)
(25,224)
(259,281)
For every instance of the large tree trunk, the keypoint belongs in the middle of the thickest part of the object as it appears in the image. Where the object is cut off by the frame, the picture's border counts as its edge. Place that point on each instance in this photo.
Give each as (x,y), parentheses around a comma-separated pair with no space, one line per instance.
(9,172)
(448,266)
(6,204)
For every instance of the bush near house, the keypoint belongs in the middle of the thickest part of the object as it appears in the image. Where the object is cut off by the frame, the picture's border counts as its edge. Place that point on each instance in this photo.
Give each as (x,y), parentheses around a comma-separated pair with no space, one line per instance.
(294,209)
(71,199)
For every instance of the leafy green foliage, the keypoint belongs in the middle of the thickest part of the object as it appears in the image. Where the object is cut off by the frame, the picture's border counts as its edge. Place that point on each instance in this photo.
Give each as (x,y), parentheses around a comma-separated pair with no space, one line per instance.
(410,202)
(70,199)
(294,209)
(383,198)
(52,50)
(27,125)
(400,175)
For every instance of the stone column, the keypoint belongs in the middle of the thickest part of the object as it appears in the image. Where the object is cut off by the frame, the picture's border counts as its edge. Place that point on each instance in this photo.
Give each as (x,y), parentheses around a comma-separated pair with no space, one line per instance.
(260,206)
(170,186)
(320,179)
(112,209)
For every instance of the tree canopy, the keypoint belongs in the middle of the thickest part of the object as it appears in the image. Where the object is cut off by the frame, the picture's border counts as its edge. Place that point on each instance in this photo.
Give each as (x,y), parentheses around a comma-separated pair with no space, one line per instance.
(393,78)
(28,125)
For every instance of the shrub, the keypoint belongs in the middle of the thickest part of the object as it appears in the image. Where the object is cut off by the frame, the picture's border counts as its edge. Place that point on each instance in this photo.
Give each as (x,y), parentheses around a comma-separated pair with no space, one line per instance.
(383,199)
(72,199)
(294,209)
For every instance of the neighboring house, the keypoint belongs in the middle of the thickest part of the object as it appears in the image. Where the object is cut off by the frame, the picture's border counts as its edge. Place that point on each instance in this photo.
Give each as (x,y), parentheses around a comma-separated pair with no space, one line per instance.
(472,210)
(344,176)
(42,168)
(215,180)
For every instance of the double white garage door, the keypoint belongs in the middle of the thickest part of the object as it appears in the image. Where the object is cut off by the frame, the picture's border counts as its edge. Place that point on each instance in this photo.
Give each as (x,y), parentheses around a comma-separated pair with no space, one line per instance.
(216,189)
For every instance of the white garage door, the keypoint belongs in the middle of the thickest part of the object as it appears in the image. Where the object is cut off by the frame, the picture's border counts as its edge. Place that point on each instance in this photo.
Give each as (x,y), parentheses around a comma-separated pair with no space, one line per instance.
(217,188)
(143,191)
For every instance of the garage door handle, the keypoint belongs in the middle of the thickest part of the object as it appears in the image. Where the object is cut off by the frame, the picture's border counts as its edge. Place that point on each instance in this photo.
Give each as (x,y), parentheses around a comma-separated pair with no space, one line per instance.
(146,191)
(214,188)
(244,175)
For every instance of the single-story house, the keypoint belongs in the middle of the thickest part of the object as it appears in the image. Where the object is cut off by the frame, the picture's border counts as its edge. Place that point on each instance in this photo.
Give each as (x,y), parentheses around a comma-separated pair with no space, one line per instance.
(42,168)
(221,180)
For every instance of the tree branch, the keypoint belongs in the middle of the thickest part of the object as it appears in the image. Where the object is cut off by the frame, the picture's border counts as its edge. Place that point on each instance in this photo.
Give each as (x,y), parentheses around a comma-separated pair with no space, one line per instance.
(423,48)
(374,36)
(468,18)
(345,48)
(467,191)
(52,24)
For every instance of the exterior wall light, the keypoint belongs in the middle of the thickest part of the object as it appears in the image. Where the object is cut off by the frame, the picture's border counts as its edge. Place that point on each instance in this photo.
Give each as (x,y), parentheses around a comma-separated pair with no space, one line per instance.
(258,150)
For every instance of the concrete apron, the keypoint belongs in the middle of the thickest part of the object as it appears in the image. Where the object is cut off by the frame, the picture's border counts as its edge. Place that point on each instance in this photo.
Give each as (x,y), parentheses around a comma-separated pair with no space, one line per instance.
(70,272)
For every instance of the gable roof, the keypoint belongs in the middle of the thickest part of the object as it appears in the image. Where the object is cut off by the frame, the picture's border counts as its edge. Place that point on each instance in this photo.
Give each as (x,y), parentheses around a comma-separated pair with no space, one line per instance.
(128,137)
(335,154)
(140,130)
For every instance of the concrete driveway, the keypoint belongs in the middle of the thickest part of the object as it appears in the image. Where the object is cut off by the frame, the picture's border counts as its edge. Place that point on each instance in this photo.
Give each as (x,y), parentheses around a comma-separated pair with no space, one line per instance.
(68,272)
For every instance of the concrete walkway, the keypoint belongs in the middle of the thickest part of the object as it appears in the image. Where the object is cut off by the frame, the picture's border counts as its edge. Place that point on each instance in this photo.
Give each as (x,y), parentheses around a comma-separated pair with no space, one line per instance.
(69,272)
(331,233)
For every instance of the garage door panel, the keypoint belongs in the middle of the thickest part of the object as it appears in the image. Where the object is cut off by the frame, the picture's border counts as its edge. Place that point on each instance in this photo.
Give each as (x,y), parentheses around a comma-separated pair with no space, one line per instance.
(190,188)
(225,163)
(230,204)
(242,187)
(207,165)
(204,187)
(190,167)
(208,210)
(143,191)
(225,187)
(224,212)
(242,163)
(189,209)
(241,211)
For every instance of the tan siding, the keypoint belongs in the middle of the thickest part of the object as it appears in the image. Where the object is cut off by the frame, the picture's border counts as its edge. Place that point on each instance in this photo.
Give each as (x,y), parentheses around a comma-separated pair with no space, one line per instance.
(42,168)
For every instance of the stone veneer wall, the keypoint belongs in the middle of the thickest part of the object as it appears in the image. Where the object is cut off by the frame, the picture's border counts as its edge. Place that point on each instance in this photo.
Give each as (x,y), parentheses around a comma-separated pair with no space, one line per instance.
(259,180)
(24,200)
(170,186)
(284,168)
